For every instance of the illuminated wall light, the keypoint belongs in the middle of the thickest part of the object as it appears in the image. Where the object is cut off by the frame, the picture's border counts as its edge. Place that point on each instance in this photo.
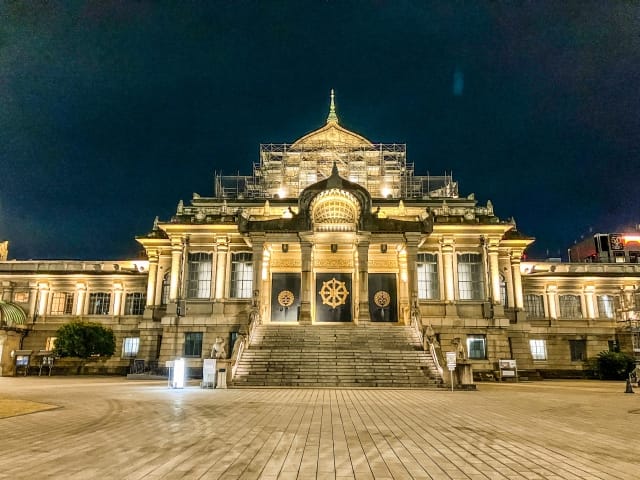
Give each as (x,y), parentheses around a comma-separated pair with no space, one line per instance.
(386,192)
(178,373)
(631,238)
(282,192)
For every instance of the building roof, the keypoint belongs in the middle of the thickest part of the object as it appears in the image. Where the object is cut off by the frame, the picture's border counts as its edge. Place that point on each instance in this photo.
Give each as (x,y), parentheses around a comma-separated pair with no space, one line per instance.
(331,134)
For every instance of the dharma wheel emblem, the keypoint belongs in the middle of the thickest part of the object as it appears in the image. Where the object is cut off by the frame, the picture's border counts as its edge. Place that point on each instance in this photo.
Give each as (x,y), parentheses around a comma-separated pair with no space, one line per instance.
(286,298)
(333,293)
(382,299)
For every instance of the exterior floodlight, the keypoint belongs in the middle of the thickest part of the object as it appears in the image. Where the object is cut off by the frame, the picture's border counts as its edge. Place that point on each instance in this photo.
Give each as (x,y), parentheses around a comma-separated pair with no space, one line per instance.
(178,373)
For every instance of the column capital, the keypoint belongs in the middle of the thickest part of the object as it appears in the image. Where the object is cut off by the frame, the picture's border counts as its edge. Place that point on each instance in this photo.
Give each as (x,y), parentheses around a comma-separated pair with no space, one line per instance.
(412,238)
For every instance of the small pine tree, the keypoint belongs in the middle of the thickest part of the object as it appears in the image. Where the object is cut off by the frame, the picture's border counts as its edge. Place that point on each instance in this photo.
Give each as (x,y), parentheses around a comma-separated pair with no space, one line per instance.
(84,340)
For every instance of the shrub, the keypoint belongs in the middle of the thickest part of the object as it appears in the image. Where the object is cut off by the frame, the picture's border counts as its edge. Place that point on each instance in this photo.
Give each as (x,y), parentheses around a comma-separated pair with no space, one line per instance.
(84,340)
(614,365)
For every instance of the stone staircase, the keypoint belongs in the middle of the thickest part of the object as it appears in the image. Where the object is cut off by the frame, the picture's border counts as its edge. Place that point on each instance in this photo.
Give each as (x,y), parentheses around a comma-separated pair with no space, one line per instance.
(374,355)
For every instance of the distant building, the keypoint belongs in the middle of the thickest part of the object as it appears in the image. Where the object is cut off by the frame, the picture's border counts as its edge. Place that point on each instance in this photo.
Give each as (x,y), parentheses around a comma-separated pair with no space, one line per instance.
(607,248)
(334,229)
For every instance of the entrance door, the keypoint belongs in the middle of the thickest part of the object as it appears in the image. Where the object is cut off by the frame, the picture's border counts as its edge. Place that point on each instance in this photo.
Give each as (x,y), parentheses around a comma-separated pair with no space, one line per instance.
(333,297)
(285,297)
(383,298)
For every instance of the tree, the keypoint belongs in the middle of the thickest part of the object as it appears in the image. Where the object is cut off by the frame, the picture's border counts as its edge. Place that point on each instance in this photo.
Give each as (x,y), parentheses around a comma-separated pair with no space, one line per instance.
(614,365)
(84,340)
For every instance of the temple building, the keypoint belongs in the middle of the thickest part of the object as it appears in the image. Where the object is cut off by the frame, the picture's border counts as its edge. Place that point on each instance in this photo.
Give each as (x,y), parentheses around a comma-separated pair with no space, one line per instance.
(335,241)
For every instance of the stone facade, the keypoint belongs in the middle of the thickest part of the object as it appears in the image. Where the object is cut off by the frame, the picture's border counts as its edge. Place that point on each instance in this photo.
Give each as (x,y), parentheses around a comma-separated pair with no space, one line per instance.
(335,228)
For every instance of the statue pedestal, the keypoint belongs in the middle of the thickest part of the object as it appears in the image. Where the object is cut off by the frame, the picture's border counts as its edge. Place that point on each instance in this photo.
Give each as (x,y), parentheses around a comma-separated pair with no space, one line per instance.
(464,376)
(224,373)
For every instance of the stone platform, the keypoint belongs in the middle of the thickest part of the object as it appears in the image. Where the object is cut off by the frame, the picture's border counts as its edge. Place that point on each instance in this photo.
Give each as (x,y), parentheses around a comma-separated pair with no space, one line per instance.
(111,428)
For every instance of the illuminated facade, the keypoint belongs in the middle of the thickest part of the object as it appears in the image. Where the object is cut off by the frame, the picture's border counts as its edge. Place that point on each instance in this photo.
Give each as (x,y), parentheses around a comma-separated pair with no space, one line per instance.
(335,229)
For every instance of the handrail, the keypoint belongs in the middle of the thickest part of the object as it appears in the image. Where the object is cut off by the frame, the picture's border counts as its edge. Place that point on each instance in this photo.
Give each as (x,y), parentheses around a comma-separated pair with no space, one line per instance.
(245,341)
(417,326)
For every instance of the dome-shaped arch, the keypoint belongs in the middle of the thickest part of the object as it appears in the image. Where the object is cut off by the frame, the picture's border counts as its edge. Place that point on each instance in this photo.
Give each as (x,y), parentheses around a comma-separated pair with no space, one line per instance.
(12,314)
(335,210)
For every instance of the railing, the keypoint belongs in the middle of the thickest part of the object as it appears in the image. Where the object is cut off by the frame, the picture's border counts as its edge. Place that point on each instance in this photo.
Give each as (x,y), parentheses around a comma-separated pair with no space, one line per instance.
(417,326)
(245,341)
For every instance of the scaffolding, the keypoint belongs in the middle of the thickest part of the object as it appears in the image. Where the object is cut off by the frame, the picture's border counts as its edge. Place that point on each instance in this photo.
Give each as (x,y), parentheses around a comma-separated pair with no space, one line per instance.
(285,170)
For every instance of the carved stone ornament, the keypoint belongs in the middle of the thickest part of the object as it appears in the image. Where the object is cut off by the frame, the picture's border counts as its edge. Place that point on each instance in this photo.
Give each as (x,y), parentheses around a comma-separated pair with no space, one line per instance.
(333,293)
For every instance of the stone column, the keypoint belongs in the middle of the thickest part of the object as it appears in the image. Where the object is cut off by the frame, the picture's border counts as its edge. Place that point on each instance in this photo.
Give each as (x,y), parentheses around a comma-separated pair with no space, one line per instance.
(117,299)
(257,241)
(494,273)
(505,265)
(589,300)
(81,290)
(33,298)
(306,281)
(176,266)
(517,279)
(447,268)
(413,240)
(551,300)
(222,249)
(7,292)
(363,278)
(43,290)
(152,282)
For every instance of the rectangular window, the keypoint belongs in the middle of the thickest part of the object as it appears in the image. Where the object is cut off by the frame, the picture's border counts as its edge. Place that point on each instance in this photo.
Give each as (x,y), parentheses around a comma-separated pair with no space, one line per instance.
(241,275)
(503,292)
(199,268)
(99,303)
(166,289)
(50,344)
(21,297)
(606,306)
(578,350)
(62,303)
(134,303)
(470,276)
(193,344)
(538,349)
(428,285)
(570,306)
(534,306)
(477,347)
(130,347)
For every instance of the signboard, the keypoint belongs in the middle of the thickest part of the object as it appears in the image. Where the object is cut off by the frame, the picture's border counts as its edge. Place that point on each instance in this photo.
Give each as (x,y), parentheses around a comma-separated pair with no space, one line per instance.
(508,368)
(451,360)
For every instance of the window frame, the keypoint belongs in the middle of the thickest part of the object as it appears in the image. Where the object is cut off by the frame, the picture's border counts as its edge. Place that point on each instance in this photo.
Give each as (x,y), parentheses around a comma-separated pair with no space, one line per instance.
(538,304)
(135,303)
(538,349)
(602,308)
(62,303)
(128,352)
(428,276)
(241,275)
(97,301)
(165,289)
(575,310)
(199,275)
(472,339)
(193,342)
(574,343)
(473,278)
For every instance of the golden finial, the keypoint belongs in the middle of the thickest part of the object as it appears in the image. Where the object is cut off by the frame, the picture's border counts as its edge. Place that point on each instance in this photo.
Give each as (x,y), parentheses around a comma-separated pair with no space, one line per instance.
(332,118)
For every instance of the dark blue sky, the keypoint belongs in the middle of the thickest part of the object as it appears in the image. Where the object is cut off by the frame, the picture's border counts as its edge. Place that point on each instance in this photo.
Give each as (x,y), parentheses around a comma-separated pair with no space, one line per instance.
(112,111)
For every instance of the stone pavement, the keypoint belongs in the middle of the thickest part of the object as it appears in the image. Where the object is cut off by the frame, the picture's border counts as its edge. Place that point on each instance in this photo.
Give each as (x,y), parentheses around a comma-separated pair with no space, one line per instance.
(111,428)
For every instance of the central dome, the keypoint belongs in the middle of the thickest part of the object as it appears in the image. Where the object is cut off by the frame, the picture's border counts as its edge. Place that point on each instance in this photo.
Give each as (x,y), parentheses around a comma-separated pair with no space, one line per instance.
(335,210)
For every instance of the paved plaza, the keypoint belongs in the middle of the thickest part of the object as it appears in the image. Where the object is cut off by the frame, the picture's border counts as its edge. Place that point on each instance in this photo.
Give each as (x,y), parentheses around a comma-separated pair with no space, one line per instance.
(108,428)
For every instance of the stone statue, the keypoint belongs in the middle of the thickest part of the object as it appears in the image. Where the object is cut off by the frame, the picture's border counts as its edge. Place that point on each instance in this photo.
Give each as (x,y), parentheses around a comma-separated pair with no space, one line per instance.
(219,349)
(460,352)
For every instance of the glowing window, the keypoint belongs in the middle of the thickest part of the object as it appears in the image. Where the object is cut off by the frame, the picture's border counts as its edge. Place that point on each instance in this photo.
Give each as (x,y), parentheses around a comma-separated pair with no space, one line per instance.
(241,275)
(428,285)
(538,349)
(606,306)
(135,303)
(199,268)
(570,306)
(534,306)
(130,347)
(62,303)
(99,303)
(477,347)
(470,276)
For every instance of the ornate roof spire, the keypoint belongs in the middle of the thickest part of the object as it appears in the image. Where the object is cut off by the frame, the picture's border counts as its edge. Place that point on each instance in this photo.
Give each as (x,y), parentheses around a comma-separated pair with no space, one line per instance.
(332,118)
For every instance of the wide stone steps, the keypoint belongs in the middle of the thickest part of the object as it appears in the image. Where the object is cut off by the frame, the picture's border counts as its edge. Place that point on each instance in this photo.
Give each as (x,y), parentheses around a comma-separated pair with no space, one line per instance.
(336,356)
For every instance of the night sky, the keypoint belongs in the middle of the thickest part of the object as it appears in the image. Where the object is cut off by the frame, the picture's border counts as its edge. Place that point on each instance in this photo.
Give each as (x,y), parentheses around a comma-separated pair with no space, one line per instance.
(112,111)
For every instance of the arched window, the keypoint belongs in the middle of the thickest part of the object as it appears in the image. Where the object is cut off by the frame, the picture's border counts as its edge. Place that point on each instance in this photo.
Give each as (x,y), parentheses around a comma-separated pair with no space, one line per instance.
(166,288)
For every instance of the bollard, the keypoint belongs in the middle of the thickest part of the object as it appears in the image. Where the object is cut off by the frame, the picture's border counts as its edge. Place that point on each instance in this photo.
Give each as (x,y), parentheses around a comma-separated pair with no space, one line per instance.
(629,388)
